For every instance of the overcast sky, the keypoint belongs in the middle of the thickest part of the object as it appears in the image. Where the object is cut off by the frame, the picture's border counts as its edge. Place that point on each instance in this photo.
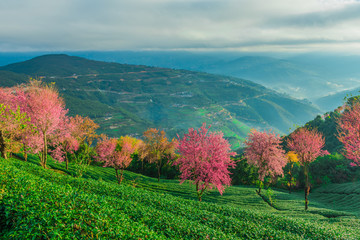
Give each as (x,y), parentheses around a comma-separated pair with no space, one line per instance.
(244,25)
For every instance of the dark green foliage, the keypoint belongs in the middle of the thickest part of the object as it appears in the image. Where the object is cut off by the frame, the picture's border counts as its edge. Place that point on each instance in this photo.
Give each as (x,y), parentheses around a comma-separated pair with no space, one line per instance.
(328,128)
(296,176)
(168,171)
(82,158)
(351,100)
(243,173)
(9,79)
(333,168)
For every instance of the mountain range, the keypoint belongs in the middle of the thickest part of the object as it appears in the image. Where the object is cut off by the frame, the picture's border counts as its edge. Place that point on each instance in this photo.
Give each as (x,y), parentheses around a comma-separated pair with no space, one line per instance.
(128,99)
(308,75)
(332,101)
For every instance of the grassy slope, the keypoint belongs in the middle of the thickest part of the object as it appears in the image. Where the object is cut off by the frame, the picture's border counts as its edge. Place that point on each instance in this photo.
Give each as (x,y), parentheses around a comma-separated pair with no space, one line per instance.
(342,197)
(239,213)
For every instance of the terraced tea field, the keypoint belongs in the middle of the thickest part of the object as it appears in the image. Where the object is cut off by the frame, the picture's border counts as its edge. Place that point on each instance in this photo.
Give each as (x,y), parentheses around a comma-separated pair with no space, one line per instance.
(51,204)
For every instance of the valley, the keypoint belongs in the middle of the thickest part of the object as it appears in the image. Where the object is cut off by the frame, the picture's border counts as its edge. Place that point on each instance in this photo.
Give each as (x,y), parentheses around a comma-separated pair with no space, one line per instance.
(128,99)
(308,75)
(180,120)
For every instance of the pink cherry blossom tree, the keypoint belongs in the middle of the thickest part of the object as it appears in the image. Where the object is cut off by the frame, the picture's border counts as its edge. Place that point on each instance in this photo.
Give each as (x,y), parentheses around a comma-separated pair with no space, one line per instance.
(307,144)
(17,98)
(47,112)
(263,150)
(46,116)
(349,132)
(205,159)
(66,140)
(116,153)
(31,142)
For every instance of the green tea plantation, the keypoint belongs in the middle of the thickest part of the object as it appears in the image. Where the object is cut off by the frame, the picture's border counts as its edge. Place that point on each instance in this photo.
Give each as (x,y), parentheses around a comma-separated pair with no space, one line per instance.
(37,203)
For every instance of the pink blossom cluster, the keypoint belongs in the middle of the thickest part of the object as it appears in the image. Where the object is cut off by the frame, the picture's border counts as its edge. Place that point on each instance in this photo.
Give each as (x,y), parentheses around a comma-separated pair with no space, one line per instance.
(307,144)
(205,159)
(349,133)
(48,123)
(116,152)
(264,151)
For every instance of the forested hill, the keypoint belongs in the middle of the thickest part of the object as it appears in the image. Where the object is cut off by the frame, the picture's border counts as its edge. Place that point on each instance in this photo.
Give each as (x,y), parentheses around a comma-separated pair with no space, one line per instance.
(127,99)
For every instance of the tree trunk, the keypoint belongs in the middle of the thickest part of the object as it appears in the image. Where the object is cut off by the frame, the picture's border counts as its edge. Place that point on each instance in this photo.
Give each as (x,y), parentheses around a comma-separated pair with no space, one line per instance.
(44,153)
(267,183)
(87,153)
(66,161)
(25,153)
(117,176)
(159,170)
(121,175)
(197,191)
(2,145)
(290,180)
(307,187)
(40,157)
(260,186)
(290,187)
(200,193)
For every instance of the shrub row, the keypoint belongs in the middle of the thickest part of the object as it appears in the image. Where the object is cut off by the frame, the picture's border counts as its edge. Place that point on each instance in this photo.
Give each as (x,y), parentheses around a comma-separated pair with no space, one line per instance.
(34,208)
(175,217)
(37,208)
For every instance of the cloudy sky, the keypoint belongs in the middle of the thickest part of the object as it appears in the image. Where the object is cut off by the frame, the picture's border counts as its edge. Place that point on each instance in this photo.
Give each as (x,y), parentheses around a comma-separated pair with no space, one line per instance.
(243,25)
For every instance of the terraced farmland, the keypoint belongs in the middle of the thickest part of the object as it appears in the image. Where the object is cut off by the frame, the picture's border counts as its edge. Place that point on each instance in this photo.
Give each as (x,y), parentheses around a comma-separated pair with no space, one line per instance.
(139,97)
(38,203)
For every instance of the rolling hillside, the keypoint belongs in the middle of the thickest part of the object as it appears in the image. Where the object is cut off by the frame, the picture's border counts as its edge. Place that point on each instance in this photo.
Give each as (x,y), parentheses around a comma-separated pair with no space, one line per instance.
(310,76)
(39,203)
(127,99)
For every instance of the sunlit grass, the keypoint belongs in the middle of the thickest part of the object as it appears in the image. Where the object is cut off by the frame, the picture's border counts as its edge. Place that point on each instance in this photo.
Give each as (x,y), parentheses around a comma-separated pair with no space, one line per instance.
(238,203)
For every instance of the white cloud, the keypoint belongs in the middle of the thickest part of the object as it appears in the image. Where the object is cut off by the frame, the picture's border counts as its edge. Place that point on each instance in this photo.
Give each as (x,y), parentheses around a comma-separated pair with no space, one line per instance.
(278,25)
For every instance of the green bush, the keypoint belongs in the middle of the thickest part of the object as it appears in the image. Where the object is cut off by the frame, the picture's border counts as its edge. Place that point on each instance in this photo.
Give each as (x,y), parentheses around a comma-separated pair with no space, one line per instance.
(333,168)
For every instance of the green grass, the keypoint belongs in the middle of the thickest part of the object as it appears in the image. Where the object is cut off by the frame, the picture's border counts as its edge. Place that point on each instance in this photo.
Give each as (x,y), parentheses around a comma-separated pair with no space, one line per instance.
(342,197)
(38,203)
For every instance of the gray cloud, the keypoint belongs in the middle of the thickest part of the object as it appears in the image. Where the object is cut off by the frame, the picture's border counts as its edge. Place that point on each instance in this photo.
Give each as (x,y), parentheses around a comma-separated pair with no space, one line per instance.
(278,25)
(329,18)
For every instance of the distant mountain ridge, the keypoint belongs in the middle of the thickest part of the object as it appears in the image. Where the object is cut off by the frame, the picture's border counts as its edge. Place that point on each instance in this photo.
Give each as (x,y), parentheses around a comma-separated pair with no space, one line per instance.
(127,99)
(63,65)
(277,74)
(332,101)
(310,75)
(307,75)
